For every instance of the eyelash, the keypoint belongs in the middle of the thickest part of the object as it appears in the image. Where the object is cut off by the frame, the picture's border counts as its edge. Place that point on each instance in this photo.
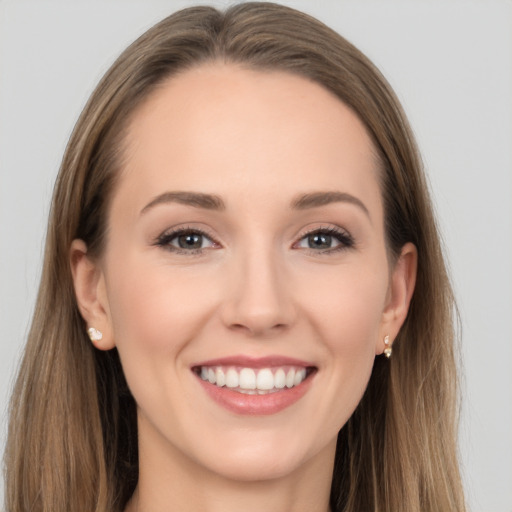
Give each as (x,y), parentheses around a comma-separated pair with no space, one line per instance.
(346,241)
(165,239)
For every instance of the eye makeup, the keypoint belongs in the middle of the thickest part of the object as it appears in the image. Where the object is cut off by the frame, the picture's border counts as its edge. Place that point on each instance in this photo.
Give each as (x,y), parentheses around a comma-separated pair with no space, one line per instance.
(186,241)
(325,240)
(190,241)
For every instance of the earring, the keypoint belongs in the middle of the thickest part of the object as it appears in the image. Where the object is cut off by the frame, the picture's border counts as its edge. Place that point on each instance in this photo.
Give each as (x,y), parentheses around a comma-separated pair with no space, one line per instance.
(94,334)
(388,350)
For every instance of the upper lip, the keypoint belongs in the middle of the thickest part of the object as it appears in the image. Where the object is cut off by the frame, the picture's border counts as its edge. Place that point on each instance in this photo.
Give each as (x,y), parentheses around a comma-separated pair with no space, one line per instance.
(255,362)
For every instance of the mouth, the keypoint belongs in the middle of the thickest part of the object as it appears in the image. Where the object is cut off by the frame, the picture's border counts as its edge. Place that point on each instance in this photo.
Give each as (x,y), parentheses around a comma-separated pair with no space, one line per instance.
(255,386)
(254,381)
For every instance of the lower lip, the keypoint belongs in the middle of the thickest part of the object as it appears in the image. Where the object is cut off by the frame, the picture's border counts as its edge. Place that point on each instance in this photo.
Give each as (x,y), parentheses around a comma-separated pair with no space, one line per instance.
(256,405)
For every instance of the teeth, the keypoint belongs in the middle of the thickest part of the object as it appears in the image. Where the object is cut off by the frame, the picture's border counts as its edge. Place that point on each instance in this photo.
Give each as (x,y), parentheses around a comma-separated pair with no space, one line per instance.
(299,377)
(231,378)
(220,377)
(265,380)
(247,379)
(251,381)
(290,378)
(280,379)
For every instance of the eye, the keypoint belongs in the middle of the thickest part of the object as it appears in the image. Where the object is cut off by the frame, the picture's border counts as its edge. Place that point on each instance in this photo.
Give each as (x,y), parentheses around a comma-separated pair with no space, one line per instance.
(325,240)
(191,241)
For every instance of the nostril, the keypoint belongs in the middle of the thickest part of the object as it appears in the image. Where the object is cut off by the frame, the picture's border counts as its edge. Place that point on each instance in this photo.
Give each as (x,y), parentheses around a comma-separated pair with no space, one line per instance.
(256,310)
(256,329)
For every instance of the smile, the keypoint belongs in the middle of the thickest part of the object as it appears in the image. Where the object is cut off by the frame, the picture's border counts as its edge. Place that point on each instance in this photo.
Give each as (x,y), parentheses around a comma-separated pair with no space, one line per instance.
(254,381)
(255,386)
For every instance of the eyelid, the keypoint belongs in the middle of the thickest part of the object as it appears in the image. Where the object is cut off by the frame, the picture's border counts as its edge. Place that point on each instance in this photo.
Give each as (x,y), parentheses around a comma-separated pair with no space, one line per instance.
(345,239)
(169,234)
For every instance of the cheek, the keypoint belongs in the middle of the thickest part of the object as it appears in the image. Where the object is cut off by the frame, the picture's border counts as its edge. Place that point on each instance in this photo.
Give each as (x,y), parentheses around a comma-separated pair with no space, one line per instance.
(347,306)
(155,312)
(349,320)
(154,308)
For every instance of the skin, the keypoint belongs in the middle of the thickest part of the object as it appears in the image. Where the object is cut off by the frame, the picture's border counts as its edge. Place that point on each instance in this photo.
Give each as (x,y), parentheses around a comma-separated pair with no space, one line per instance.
(258,140)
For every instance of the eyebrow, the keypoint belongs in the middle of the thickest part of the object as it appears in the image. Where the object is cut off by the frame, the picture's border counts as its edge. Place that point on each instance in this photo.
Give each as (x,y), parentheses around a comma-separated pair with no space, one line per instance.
(316,199)
(195,199)
(214,202)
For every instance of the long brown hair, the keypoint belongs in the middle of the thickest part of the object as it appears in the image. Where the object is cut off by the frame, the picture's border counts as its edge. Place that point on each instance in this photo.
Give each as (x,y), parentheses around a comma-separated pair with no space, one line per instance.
(72,440)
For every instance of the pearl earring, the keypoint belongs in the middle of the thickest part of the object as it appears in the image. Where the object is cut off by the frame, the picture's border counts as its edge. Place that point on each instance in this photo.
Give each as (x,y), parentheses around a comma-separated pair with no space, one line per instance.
(388,350)
(94,334)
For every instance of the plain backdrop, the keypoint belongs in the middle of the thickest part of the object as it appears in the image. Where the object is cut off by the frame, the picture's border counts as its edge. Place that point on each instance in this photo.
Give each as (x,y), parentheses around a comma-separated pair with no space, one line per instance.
(450,63)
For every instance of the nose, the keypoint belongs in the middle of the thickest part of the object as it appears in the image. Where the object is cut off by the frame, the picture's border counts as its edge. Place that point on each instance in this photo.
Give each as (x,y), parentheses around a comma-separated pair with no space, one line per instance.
(258,300)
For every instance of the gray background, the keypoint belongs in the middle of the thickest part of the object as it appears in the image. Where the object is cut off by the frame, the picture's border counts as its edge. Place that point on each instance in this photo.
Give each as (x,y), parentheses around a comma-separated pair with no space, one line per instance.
(450,63)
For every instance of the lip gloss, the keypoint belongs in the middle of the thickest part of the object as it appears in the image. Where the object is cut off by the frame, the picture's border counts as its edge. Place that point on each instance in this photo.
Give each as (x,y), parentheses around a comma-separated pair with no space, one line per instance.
(270,402)
(241,403)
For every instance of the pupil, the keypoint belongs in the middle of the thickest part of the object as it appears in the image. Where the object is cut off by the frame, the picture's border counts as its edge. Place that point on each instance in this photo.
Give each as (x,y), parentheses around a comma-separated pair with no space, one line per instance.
(190,241)
(320,241)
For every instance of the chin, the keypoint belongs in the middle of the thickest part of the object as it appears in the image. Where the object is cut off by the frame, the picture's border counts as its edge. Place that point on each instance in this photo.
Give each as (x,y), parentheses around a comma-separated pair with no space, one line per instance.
(255,468)
(252,457)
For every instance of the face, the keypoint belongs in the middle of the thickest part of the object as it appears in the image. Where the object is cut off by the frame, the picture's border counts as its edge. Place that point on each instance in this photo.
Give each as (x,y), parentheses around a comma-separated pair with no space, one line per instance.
(245,280)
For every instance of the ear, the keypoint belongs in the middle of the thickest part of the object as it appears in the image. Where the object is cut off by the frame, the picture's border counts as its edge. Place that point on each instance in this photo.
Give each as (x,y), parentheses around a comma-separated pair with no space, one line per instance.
(91,294)
(401,288)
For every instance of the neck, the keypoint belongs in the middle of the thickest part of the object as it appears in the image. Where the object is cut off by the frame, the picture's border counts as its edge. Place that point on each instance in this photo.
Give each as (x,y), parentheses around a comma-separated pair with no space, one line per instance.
(250,497)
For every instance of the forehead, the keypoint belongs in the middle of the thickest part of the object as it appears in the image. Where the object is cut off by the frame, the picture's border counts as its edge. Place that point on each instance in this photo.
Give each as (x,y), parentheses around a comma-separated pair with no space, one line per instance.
(221,124)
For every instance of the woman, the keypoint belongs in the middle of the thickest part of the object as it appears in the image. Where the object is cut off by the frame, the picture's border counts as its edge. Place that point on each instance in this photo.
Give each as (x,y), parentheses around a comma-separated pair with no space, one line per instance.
(247,236)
